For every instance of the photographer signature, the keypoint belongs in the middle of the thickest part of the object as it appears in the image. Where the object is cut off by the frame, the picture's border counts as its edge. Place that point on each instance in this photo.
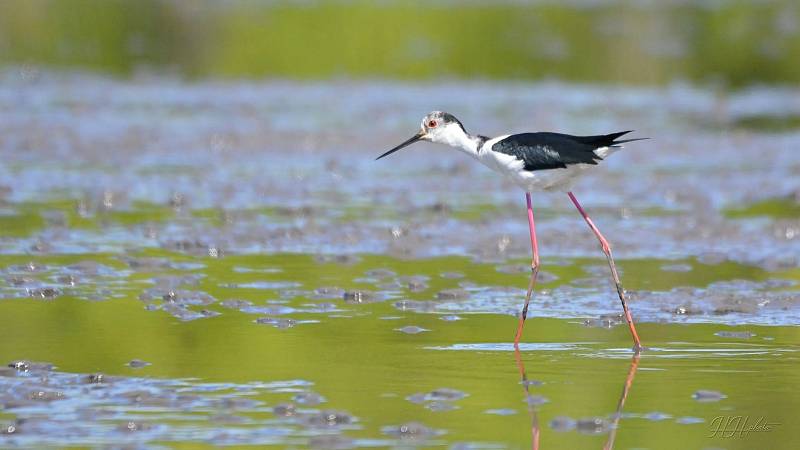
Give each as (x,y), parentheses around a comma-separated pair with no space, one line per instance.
(739,426)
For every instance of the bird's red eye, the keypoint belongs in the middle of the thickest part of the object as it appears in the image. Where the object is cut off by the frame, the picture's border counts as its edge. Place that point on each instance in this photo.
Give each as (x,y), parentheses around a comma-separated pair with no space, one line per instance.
(432,124)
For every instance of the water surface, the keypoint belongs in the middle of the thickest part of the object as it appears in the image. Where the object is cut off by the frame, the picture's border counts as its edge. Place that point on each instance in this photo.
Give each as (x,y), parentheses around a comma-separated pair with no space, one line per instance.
(224,263)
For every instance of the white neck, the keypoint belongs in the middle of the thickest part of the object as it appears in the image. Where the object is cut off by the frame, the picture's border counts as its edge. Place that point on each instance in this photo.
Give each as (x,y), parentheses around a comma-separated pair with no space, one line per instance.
(454,136)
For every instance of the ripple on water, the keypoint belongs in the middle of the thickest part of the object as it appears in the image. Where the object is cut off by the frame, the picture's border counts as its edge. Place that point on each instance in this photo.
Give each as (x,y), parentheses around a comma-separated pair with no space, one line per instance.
(361,296)
(523,347)
(450,318)
(271,310)
(452,294)
(138,363)
(236,304)
(329,292)
(415,305)
(685,350)
(441,399)
(563,423)
(657,416)
(411,329)
(501,411)
(152,410)
(592,425)
(735,334)
(536,400)
(328,418)
(440,406)
(688,420)
(411,431)
(280,323)
(308,398)
(264,285)
(331,442)
(708,396)
(46,293)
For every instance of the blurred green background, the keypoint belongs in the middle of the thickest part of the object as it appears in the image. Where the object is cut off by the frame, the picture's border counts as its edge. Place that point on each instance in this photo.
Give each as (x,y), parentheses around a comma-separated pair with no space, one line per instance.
(729,44)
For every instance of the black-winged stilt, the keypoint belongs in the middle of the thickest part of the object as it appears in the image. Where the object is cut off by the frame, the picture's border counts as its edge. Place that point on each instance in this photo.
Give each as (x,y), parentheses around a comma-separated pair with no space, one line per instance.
(535,162)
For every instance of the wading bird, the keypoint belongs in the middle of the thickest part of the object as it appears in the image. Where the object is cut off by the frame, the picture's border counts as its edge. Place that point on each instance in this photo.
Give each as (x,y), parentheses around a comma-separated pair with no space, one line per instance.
(535,162)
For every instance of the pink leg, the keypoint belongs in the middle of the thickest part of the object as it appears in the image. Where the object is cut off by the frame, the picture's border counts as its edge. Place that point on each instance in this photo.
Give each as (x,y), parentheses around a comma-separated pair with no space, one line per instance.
(534,269)
(607,250)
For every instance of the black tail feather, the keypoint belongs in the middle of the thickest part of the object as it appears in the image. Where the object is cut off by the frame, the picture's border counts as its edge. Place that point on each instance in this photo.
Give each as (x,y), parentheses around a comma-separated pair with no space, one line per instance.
(629,140)
(608,140)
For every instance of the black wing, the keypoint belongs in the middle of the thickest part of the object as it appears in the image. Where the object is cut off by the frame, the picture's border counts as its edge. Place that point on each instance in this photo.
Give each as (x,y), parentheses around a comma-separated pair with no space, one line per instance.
(542,151)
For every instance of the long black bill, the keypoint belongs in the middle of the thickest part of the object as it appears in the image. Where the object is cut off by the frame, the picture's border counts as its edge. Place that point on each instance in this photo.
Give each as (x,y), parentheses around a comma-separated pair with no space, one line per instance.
(415,138)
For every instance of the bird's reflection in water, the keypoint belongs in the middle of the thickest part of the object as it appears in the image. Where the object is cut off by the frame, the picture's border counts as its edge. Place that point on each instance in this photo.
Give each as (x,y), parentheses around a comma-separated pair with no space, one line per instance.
(621,403)
(524,377)
(532,409)
(529,400)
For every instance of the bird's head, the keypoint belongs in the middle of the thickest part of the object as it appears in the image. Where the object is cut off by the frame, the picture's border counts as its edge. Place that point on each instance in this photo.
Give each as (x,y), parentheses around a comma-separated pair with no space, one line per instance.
(438,126)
